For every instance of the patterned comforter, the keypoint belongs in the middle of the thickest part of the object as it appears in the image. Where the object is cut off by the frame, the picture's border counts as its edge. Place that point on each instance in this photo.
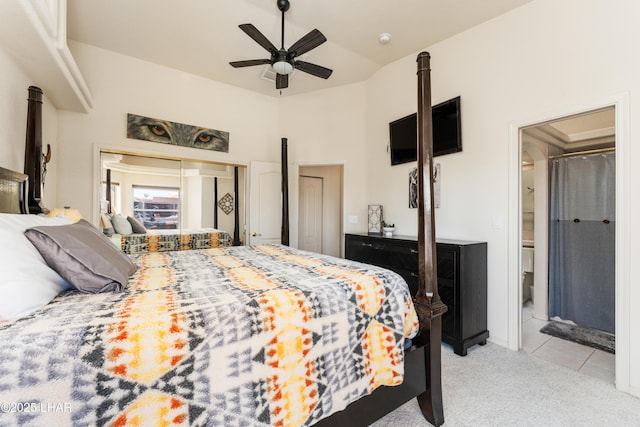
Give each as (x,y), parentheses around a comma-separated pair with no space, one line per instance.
(172,240)
(241,336)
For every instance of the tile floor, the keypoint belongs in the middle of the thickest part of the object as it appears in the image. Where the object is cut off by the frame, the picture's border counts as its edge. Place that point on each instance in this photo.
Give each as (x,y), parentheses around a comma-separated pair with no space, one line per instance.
(587,360)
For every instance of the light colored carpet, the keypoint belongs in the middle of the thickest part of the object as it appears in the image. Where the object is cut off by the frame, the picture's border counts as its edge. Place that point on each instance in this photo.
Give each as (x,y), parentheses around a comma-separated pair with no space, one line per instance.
(494,386)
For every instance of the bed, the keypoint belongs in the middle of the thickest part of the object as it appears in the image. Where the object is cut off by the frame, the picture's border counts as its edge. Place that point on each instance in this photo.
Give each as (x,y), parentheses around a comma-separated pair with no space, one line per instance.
(257,336)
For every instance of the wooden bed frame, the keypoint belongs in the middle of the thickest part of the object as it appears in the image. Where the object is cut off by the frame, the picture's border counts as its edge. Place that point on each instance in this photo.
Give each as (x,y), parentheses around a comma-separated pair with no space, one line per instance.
(423,360)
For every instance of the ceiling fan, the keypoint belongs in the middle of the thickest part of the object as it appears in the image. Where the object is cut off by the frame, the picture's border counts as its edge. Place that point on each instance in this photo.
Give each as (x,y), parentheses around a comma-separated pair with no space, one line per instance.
(283,61)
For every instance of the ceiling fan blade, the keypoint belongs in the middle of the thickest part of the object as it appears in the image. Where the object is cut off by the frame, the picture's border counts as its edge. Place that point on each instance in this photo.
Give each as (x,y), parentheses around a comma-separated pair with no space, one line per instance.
(282,81)
(312,40)
(249,63)
(259,38)
(313,69)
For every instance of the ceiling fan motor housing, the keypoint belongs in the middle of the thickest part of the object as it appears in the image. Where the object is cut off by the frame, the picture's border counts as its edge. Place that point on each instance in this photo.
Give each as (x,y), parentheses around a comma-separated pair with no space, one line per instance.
(283,5)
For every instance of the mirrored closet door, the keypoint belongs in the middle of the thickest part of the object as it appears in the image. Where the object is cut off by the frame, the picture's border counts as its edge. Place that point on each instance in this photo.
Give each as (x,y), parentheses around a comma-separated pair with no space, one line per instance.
(173,194)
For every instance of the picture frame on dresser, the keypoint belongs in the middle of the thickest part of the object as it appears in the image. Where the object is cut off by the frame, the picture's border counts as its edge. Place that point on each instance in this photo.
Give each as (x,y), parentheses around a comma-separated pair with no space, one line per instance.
(374,219)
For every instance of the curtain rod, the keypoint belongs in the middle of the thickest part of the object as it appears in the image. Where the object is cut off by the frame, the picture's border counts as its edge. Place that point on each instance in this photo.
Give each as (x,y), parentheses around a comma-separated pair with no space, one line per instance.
(583,153)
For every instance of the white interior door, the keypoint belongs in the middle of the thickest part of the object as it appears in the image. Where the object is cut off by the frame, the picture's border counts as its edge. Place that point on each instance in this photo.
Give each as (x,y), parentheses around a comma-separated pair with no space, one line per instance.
(265,209)
(311,211)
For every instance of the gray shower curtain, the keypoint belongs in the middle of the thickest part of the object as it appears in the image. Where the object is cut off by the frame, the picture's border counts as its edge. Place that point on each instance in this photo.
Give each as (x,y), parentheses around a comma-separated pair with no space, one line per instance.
(582,240)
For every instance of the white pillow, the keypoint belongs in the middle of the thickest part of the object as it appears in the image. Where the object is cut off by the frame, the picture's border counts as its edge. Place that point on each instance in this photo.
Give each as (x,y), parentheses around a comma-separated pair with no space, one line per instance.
(27,283)
(19,223)
(121,224)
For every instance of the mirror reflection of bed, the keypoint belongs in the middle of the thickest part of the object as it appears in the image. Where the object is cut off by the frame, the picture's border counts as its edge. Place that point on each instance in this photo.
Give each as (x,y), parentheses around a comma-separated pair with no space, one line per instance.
(174,197)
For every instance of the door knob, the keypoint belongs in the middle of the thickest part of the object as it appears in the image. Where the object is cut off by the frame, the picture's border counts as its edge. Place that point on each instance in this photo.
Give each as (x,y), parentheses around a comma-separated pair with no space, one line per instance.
(254,234)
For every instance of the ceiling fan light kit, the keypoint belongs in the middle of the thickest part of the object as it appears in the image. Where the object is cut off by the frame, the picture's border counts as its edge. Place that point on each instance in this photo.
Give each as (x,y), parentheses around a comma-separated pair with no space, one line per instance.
(283,61)
(282,67)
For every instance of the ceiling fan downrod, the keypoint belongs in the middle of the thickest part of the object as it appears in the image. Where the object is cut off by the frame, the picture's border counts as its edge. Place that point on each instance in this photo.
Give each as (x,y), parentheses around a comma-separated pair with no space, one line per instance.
(283,6)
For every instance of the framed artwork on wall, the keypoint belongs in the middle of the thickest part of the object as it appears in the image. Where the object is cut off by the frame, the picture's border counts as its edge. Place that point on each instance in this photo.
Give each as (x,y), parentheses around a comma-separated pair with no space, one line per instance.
(166,132)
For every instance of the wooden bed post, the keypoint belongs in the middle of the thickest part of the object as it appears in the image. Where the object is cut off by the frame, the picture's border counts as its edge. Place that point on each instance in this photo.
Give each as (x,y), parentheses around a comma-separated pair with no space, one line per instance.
(33,160)
(108,192)
(215,202)
(236,213)
(284,238)
(427,302)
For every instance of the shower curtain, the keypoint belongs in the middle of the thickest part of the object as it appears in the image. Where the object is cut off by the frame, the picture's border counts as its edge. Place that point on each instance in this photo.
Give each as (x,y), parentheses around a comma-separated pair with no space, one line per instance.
(582,240)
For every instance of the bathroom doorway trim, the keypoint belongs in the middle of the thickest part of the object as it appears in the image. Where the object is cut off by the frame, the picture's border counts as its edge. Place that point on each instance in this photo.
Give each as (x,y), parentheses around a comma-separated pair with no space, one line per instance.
(622,265)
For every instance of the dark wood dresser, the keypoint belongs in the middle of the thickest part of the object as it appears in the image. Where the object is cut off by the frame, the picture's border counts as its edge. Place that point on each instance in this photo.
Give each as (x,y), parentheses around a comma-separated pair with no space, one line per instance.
(462,279)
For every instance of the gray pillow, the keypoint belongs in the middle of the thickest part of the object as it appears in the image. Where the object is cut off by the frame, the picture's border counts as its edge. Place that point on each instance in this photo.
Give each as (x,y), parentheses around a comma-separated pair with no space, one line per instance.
(136,226)
(121,225)
(83,256)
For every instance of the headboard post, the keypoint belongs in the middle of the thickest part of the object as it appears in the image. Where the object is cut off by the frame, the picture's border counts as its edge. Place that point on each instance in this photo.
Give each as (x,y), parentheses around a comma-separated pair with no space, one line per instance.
(33,161)
(284,238)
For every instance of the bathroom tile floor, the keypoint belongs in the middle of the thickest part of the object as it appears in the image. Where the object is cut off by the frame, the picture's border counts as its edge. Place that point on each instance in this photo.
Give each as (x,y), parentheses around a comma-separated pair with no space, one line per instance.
(587,360)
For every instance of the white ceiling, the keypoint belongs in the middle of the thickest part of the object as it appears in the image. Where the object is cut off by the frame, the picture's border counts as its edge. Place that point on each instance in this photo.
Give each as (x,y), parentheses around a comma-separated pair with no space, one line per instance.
(202,36)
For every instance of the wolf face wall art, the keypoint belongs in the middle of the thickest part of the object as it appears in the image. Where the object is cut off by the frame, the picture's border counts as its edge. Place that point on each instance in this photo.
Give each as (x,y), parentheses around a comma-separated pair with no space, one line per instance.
(166,132)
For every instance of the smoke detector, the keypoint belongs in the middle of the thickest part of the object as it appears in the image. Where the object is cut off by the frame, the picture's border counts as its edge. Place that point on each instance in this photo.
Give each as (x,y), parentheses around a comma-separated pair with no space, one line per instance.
(384,38)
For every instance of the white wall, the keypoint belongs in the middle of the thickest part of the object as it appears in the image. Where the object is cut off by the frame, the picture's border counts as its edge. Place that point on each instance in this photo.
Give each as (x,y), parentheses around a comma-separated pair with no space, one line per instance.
(327,128)
(122,85)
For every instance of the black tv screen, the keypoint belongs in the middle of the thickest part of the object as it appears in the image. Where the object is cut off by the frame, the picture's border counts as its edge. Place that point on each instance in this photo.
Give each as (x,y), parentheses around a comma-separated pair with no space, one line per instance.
(447,139)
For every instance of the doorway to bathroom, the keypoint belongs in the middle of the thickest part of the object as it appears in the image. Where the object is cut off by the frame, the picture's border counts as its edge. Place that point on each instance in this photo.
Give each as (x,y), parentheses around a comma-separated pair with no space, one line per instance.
(567,199)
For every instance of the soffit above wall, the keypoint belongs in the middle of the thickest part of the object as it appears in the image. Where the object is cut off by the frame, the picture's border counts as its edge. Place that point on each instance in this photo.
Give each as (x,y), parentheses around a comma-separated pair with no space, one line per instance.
(33,33)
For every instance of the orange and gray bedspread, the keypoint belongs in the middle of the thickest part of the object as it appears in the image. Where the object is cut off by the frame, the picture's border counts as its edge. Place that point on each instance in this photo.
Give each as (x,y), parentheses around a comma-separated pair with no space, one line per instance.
(242,336)
(172,240)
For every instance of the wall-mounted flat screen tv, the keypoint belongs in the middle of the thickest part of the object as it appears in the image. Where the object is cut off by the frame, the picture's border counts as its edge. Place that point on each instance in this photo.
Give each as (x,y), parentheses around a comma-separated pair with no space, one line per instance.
(447,137)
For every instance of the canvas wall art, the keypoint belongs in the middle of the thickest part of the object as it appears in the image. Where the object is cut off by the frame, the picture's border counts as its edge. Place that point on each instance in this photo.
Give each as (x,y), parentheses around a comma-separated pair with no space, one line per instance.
(167,132)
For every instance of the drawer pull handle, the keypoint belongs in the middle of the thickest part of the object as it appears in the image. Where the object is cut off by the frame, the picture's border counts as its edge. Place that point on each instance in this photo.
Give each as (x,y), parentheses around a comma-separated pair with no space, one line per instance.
(414,274)
(414,251)
(369,245)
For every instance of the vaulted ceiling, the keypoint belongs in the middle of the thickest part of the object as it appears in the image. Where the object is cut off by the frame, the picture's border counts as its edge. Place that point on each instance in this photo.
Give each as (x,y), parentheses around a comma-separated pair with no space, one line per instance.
(201,37)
